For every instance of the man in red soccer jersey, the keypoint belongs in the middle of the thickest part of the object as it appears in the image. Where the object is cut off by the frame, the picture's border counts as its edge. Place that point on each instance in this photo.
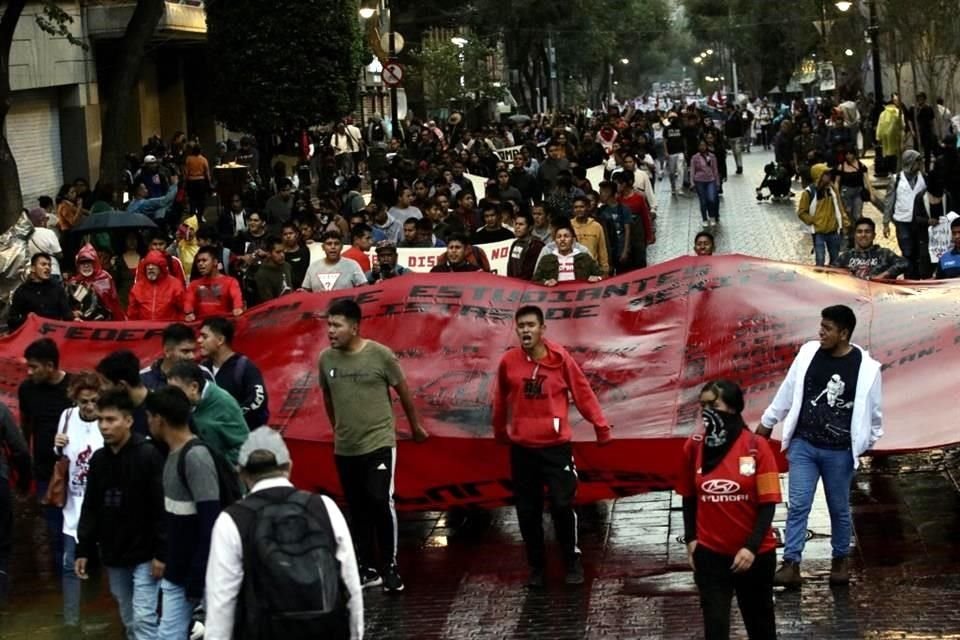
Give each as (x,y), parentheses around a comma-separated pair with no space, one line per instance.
(534,384)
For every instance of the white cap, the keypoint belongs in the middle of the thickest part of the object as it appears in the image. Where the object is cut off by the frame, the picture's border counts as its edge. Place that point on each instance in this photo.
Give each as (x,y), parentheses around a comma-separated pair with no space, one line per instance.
(264,439)
(148,159)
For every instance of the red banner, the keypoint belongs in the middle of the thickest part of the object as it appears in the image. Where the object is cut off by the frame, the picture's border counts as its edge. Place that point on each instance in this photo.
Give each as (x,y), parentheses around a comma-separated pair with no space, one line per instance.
(648,341)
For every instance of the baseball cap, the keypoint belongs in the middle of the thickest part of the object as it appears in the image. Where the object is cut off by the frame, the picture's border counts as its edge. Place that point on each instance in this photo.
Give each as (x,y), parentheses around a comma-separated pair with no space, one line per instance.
(386,247)
(148,159)
(264,439)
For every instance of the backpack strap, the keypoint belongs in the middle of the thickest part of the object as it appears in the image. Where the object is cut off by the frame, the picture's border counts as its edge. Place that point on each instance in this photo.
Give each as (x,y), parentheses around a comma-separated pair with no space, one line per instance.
(239,370)
(66,423)
(182,461)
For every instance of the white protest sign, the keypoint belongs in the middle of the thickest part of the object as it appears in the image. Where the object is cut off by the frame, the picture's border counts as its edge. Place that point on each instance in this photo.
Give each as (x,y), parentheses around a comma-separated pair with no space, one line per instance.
(422,259)
(940,238)
(479,185)
(595,176)
(507,154)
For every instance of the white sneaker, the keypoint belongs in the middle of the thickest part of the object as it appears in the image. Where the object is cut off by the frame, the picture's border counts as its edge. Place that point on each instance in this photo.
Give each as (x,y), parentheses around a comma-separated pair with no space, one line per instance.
(705,224)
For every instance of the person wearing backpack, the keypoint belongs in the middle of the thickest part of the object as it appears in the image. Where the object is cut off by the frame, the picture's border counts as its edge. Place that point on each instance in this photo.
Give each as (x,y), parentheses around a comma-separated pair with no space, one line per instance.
(730,486)
(192,502)
(262,585)
(217,417)
(234,372)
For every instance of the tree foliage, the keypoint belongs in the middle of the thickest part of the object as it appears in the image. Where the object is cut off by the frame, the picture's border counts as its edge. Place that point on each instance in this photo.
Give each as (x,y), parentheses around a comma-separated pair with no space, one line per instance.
(924,34)
(294,62)
(767,39)
(587,34)
(55,21)
(450,72)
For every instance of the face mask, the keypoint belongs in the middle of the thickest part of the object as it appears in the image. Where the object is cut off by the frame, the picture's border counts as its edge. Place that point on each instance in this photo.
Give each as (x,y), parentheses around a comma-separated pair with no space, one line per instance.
(716,426)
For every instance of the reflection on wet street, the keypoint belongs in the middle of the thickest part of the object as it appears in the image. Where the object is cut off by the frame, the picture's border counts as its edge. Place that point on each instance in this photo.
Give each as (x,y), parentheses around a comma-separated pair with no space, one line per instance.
(468,582)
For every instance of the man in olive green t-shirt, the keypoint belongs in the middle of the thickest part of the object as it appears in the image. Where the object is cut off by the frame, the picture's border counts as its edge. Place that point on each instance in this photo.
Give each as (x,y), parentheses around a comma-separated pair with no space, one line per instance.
(356,376)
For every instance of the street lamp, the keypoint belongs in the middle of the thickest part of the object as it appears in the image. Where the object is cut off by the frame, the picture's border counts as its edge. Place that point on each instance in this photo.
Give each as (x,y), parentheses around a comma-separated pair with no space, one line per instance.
(624,60)
(460,41)
(848,52)
(843,5)
(697,60)
(709,52)
(367,12)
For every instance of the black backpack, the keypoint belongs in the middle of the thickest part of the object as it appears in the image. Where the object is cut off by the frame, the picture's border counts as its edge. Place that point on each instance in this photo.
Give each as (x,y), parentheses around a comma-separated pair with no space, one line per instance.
(292,588)
(227,478)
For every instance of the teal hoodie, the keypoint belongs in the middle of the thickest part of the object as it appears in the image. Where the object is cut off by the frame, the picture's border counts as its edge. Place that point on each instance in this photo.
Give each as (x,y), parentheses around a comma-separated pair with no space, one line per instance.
(219,422)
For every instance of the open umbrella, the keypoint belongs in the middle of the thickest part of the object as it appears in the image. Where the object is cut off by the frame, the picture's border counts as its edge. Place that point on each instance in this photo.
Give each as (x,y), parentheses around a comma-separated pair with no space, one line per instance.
(520,118)
(113,220)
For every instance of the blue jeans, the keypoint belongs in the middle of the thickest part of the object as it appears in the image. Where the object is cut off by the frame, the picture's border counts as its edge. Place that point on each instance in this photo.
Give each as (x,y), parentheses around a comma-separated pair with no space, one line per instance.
(823,243)
(709,201)
(904,238)
(136,593)
(808,464)
(70,583)
(177,611)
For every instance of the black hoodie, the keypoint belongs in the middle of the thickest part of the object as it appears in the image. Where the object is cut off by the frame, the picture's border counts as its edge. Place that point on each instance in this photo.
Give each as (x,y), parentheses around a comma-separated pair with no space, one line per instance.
(123,510)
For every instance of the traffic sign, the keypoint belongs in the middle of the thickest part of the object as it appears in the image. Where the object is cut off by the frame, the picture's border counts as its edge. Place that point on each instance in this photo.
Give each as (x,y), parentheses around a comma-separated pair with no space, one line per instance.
(392,74)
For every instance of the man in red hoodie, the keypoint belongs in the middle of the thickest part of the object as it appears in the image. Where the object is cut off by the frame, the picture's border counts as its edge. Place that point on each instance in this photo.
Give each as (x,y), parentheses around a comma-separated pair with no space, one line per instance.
(534,383)
(156,295)
(212,294)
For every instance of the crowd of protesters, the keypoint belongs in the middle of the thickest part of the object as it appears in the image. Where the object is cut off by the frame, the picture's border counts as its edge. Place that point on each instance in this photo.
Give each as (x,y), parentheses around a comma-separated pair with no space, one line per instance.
(170,437)
(334,213)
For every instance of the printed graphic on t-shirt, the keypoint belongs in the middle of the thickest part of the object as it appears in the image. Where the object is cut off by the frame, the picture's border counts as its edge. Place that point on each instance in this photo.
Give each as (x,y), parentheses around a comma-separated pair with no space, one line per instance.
(832,411)
(566,269)
(863,267)
(78,480)
(328,280)
(533,387)
(829,389)
(211,293)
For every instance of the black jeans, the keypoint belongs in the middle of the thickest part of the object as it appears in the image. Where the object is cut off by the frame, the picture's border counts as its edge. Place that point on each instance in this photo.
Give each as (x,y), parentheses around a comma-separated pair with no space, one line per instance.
(754,589)
(197,196)
(530,470)
(367,483)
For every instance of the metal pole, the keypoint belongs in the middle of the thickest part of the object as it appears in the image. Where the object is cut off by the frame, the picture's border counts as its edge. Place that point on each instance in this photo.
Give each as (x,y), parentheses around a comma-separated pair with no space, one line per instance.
(552,60)
(874,31)
(736,83)
(392,54)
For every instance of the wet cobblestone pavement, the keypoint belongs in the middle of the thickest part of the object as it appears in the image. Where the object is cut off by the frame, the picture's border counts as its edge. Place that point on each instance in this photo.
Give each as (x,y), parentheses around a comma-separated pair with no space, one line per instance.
(467,583)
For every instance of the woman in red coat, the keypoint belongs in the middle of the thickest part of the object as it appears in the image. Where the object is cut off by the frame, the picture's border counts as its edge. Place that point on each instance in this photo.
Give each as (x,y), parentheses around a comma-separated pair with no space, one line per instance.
(730,486)
(156,295)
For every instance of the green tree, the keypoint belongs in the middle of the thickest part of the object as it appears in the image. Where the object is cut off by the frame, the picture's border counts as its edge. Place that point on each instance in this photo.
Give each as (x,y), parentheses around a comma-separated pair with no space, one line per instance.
(450,72)
(292,63)
(437,64)
(117,106)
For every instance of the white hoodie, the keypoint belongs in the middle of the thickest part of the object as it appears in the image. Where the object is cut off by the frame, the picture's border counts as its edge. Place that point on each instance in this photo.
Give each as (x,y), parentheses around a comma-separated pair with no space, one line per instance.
(866,425)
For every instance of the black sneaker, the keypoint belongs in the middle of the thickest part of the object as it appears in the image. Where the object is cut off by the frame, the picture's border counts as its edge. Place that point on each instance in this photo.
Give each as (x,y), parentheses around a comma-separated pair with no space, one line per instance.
(574,572)
(370,577)
(392,583)
(536,579)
